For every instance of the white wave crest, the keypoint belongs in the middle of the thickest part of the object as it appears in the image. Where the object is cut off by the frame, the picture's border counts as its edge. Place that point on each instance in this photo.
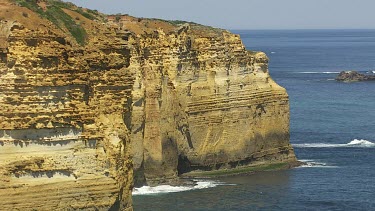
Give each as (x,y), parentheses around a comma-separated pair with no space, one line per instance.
(315,164)
(147,190)
(319,72)
(360,143)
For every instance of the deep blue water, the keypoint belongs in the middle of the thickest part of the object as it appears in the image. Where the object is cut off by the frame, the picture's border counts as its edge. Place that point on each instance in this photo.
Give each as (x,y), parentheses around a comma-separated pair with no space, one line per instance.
(325,116)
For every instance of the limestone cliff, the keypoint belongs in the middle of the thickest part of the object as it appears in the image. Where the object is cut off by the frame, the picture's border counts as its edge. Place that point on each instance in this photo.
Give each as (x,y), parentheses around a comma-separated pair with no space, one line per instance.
(202,102)
(84,97)
(64,142)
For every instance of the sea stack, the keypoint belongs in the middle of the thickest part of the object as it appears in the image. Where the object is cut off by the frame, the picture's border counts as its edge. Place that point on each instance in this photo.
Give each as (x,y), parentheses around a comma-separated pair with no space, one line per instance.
(87,99)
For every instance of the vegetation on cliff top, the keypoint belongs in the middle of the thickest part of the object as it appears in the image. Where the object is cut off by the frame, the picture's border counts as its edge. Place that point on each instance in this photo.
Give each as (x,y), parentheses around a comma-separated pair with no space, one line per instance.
(53,11)
(174,22)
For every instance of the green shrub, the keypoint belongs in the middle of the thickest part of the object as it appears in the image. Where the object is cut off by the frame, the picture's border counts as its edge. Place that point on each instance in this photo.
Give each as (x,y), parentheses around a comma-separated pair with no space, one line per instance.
(58,17)
(85,14)
(24,14)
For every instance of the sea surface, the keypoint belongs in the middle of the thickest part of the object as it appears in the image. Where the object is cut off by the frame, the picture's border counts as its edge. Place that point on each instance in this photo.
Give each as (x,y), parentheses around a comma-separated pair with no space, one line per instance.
(332,129)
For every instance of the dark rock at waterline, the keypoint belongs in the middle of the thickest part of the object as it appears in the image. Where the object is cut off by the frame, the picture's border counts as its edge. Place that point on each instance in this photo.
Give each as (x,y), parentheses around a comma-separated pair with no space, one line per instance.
(352,76)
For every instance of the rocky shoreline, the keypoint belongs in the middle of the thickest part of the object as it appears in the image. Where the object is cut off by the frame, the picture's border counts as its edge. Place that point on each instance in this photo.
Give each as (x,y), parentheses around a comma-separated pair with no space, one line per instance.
(244,170)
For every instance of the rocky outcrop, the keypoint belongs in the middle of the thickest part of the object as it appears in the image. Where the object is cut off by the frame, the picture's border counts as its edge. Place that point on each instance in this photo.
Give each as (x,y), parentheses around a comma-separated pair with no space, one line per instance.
(203,102)
(64,143)
(86,98)
(353,76)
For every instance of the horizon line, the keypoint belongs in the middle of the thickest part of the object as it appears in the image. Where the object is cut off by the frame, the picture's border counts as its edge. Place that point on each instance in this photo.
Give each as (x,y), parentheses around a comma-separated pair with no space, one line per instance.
(295,29)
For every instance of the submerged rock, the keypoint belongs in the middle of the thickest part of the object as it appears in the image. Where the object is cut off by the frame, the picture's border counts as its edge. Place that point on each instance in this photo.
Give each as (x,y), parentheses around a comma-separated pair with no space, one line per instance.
(352,76)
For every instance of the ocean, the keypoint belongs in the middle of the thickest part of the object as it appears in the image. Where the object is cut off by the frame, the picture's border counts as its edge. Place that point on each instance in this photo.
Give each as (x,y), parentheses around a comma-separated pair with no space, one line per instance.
(332,130)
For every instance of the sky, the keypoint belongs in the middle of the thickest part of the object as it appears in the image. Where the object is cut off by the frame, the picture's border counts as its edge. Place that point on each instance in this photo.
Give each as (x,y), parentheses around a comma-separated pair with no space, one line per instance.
(249,14)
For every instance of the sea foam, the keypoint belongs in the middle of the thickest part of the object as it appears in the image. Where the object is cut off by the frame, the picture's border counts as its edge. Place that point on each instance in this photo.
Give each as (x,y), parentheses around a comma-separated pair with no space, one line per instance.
(359,143)
(319,72)
(199,184)
(315,164)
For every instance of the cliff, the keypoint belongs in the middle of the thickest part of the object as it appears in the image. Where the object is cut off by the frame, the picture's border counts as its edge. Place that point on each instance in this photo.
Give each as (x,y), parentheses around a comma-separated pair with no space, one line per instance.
(86,98)
(202,102)
(64,143)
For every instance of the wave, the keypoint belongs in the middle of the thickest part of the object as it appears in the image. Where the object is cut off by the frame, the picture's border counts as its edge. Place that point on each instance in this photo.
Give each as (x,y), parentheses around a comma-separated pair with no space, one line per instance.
(199,184)
(319,72)
(315,164)
(358,143)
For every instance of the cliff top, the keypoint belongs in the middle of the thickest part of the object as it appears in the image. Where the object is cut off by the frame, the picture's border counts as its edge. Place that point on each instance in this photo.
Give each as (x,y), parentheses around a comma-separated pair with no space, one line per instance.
(149,25)
(58,17)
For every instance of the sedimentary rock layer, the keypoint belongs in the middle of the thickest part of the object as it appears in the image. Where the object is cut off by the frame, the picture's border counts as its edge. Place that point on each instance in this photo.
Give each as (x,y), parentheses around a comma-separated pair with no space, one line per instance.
(84,97)
(64,142)
(202,102)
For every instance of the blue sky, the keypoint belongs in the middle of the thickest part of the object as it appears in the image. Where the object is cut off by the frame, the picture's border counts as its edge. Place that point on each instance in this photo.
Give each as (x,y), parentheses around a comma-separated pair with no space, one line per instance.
(249,14)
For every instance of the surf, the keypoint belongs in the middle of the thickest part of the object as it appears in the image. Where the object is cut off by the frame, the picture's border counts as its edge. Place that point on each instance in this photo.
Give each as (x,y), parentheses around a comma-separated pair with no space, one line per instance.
(357,143)
(315,164)
(163,189)
(319,72)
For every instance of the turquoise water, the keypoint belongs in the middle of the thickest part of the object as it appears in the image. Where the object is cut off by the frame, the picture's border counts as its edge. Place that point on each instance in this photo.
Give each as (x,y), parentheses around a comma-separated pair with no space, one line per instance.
(332,129)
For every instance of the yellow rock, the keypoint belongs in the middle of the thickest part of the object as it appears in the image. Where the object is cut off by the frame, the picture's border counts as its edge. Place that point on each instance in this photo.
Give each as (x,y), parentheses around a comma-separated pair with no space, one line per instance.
(79,113)
(203,102)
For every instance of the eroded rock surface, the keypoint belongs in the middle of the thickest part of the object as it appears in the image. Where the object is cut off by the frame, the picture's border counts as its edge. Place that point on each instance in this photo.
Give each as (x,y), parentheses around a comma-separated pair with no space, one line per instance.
(64,143)
(84,100)
(203,102)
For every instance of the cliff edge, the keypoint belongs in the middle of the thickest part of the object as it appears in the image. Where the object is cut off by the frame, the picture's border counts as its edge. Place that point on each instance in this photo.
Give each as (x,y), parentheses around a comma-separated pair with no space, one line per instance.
(202,102)
(88,98)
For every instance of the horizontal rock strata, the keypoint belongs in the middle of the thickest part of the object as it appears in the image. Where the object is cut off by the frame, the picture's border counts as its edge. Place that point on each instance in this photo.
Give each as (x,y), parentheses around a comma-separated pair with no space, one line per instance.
(202,102)
(63,138)
(86,98)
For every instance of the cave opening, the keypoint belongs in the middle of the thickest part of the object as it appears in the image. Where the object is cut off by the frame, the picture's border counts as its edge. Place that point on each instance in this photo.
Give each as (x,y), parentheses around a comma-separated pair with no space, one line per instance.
(183,165)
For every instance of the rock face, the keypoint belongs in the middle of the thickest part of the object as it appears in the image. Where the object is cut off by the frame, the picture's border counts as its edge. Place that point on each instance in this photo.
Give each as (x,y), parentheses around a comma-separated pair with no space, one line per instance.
(64,140)
(352,76)
(86,98)
(203,102)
